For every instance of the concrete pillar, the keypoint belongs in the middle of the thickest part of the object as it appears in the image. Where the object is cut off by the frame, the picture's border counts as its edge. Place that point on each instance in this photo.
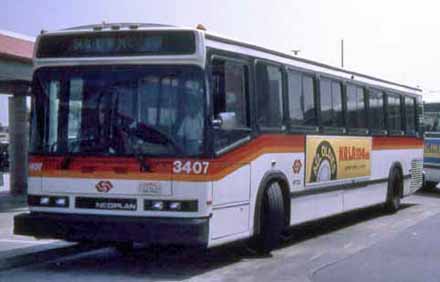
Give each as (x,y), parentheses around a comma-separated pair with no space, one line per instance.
(18,144)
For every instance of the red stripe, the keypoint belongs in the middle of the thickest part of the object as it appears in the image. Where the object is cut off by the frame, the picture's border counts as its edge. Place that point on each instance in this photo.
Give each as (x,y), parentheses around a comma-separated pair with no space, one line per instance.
(396,142)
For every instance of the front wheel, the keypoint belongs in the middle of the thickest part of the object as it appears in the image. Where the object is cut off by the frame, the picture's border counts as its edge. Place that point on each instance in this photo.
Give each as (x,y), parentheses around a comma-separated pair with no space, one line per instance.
(395,187)
(271,219)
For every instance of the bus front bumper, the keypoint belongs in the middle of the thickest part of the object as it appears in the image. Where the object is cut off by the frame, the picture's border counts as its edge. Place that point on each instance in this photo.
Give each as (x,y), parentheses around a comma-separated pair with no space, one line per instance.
(100,228)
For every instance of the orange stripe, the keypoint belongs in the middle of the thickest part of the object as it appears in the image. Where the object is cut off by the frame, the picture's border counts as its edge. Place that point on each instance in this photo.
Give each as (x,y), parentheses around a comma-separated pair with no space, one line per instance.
(397,143)
(218,168)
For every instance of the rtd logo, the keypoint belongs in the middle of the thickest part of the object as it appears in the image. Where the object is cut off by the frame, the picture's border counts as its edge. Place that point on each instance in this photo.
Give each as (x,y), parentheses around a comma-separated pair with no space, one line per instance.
(297,166)
(104,186)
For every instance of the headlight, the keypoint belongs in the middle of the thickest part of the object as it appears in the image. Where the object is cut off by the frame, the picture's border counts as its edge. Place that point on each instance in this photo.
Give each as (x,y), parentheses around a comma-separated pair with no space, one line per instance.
(157,205)
(60,202)
(167,205)
(48,201)
(175,206)
(44,201)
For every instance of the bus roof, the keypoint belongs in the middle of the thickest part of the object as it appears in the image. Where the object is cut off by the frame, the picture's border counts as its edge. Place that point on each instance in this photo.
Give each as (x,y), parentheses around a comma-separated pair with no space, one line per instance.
(244,47)
(323,67)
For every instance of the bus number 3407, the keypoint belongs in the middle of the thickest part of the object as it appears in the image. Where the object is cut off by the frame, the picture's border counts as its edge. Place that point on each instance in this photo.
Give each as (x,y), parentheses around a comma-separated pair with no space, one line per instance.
(190,167)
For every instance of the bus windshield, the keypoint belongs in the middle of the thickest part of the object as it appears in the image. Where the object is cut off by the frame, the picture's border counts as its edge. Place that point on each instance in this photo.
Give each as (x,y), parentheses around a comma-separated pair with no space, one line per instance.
(122,111)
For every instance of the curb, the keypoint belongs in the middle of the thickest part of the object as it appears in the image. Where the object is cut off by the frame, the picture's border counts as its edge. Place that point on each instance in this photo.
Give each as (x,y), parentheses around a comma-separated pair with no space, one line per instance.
(39,254)
(9,202)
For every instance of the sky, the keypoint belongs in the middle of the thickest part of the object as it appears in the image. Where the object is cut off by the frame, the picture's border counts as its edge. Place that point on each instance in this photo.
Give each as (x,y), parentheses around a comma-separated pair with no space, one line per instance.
(394,40)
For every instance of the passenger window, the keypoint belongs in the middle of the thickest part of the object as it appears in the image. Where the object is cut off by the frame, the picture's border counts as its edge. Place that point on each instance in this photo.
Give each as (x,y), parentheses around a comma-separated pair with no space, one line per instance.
(331,103)
(229,79)
(410,111)
(376,112)
(269,96)
(301,99)
(309,100)
(394,113)
(356,107)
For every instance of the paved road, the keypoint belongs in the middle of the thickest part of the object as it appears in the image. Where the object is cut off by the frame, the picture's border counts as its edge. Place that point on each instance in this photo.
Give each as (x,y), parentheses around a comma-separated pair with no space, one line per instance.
(361,246)
(9,242)
(413,256)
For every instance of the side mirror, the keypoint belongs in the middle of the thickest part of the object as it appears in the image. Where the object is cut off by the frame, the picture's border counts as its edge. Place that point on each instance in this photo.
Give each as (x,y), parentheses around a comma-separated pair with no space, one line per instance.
(226,121)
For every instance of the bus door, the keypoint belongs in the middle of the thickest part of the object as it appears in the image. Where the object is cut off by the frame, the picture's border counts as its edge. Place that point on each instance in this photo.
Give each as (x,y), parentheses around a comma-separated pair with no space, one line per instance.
(231,131)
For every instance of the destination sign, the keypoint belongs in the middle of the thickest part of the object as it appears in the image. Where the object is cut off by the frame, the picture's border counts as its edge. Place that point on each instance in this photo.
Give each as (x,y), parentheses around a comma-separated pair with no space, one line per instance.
(120,43)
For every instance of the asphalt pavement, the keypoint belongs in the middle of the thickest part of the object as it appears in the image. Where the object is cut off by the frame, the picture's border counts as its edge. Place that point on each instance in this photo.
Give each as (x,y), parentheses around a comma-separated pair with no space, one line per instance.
(413,255)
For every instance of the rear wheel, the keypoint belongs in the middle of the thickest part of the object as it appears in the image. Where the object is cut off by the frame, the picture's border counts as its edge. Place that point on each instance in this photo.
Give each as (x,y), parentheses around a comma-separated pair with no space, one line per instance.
(395,187)
(271,219)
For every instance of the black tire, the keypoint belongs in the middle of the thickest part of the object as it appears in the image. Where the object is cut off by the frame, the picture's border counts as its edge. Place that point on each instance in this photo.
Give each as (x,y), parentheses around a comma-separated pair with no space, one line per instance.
(429,186)
(395,188)
(124,248)
(271,219)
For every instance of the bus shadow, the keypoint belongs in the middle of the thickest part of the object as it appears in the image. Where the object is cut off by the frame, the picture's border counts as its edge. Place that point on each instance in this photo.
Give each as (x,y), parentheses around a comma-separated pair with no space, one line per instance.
(435,193)
(321,227)
(176,263)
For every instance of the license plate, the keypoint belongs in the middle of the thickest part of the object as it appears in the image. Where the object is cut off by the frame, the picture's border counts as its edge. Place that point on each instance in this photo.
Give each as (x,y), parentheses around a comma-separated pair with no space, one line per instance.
(154,188)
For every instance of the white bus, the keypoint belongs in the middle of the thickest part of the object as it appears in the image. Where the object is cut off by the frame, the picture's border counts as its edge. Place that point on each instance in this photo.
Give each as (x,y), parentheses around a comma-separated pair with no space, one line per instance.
(167,135)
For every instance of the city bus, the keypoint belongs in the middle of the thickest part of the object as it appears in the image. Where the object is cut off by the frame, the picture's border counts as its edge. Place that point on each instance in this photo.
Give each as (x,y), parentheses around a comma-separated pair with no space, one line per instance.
(431,162)
(168,135)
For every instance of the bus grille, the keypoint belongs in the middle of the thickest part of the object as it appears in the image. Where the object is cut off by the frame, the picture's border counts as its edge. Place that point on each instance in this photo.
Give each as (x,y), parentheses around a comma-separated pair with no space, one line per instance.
(416,174)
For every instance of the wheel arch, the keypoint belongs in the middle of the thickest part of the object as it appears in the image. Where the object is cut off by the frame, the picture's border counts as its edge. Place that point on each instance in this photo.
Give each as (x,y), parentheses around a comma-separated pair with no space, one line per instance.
(268,178)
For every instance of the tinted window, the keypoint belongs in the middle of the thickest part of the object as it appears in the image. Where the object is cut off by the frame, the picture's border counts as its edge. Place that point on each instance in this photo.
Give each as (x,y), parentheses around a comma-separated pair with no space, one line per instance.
(229,91)
(331,103)
(309,100)
(393,111)
(301,99)
(376,113)
(356,107)
(269,96)
(410,111)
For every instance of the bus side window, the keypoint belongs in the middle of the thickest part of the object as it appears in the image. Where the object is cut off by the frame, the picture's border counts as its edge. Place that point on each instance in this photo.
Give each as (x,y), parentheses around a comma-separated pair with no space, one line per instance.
(394,114)
(301,99)
(229,85)
(331,103)
(410,116)
(376,110)
(356,107)
(269,96)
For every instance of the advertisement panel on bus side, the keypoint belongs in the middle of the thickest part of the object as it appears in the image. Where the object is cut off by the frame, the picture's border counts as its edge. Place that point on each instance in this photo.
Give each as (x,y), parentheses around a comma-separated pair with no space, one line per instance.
(336,157)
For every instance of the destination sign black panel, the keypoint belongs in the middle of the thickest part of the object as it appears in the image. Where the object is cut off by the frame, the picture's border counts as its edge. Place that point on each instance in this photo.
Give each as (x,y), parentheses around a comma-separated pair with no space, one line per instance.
(106,204)
(121,43)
